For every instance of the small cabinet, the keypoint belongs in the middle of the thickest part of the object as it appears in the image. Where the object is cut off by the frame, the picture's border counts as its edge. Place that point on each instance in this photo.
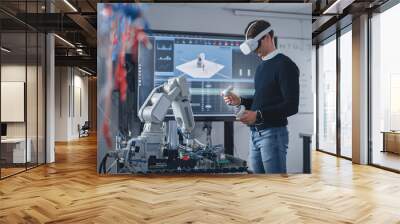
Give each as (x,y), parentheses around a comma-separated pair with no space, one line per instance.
(391,142)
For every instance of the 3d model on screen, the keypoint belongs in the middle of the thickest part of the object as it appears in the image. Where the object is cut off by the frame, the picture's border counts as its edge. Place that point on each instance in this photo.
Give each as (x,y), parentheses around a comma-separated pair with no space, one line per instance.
(200,61)
(152,152)
(200,67)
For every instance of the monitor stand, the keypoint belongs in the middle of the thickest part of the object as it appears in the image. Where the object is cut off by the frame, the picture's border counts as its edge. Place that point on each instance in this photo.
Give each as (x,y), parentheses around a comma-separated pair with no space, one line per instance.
(228,137)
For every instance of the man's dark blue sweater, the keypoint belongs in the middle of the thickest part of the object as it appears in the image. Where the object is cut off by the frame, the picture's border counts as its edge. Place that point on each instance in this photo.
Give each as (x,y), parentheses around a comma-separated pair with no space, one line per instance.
(276,94)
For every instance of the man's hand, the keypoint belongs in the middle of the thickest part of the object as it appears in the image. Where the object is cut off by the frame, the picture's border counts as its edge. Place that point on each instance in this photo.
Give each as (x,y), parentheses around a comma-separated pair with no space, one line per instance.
(249,117)
(232,99)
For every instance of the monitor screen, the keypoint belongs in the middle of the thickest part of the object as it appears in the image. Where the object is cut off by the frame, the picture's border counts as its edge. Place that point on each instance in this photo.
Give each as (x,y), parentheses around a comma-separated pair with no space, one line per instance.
(3,129)
(210,63)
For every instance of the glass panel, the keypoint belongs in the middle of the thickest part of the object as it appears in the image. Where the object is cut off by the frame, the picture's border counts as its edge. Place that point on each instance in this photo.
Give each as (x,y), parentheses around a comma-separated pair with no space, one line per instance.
(327,96)
(13,87)
(13,91)
(385,86)
(346,94)
(31,97)
(23,82)
(32,86)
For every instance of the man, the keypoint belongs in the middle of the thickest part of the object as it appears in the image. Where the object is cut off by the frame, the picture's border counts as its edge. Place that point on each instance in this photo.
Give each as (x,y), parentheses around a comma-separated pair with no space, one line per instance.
(276,97)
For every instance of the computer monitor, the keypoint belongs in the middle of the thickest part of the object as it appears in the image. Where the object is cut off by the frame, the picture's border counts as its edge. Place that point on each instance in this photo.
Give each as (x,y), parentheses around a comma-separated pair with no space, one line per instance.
(210,62)
(3,130)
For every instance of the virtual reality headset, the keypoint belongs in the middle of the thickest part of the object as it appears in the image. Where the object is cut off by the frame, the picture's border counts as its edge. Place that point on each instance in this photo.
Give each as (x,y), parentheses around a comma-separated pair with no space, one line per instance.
(250,45)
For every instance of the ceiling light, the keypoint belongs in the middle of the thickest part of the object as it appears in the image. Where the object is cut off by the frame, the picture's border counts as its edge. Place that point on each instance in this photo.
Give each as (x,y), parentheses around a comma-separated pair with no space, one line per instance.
(84,71)
(64,40)
(70,5)
(338,6)
(5,50)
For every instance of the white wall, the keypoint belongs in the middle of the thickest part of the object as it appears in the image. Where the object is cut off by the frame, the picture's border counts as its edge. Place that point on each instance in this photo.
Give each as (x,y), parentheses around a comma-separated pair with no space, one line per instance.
(81,82)
(70,84)
(61,103)
(221,18)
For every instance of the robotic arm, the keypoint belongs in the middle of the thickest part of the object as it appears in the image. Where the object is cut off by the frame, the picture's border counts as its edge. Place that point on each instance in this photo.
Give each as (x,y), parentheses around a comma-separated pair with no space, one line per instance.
(174,93)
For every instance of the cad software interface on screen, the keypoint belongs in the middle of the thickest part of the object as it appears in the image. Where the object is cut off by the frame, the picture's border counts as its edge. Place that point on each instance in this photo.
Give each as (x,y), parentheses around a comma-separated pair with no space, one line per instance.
(211,63)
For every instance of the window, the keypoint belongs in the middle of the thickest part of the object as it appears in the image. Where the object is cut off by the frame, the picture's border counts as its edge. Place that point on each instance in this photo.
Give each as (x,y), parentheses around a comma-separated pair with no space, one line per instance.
(385,89)
(346,93)
(327,96)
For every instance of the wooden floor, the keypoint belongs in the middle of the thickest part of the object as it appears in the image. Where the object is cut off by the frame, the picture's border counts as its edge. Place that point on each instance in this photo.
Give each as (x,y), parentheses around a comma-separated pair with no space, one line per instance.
(70,191)
(5,172)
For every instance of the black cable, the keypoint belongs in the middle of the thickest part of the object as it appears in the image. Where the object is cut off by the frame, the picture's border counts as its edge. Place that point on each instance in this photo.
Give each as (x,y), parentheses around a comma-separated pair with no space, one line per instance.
(103,164)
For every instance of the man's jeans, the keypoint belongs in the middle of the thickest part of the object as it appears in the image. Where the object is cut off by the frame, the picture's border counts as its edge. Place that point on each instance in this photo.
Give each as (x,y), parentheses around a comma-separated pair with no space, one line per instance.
(268,149)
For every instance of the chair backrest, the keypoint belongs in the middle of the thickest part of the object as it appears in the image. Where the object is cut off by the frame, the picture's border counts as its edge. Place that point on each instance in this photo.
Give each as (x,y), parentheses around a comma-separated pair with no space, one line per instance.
(86,125)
